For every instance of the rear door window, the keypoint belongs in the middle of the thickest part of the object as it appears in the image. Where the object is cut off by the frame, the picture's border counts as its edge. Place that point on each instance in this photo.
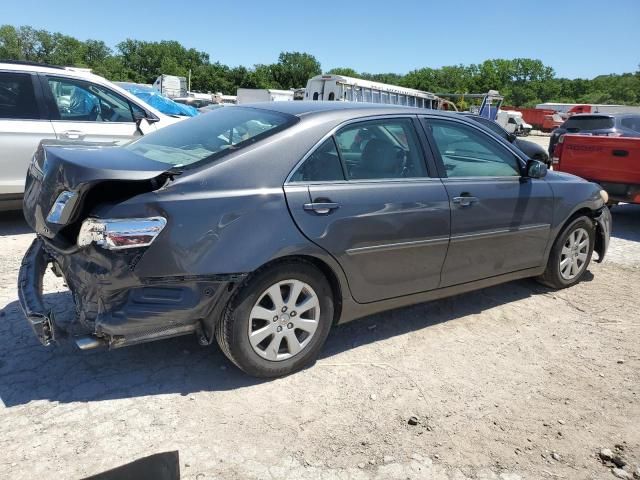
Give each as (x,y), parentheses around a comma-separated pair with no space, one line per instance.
(17,97)
(381,149)
(632,123)
(323,165)
(591,122)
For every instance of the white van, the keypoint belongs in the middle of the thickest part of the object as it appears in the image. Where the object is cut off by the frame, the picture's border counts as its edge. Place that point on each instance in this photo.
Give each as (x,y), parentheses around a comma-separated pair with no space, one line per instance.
(513,122)
(40,102)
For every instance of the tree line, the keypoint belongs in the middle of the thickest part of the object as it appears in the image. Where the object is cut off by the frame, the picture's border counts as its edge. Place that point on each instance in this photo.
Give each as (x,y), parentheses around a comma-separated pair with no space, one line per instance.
(523,81)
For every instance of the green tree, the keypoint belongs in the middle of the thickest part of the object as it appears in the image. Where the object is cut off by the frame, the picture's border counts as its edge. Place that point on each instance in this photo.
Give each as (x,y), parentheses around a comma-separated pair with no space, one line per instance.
(294,69)
(346,71)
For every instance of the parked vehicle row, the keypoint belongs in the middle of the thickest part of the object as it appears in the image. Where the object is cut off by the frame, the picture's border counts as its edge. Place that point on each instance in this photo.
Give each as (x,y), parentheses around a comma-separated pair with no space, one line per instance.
(262,226)
(612,162)
(43,102)
(611,125)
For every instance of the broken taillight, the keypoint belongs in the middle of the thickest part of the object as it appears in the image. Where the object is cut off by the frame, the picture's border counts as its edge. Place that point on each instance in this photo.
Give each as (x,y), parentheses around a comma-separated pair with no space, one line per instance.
(121,233)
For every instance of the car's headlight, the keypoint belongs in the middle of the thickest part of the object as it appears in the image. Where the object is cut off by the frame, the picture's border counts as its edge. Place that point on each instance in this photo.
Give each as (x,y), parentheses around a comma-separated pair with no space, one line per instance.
(604,196)
(120,233)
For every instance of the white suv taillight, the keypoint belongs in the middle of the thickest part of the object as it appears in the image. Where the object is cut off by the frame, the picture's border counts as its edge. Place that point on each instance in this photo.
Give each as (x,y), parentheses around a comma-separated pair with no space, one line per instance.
(120,233)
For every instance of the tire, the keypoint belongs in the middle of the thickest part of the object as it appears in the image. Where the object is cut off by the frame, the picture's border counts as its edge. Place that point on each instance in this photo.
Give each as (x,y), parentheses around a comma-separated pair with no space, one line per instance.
(246,312)
(566,252)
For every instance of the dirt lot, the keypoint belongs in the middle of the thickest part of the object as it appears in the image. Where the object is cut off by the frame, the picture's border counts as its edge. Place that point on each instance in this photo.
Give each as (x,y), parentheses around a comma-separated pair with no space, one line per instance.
(511,382)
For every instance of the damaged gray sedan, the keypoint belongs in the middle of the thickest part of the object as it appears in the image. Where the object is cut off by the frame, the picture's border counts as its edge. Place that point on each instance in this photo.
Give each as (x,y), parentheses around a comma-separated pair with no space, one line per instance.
(262,226)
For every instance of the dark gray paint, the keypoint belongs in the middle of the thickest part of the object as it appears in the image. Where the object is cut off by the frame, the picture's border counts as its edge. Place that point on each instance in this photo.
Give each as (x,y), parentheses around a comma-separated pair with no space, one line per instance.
(389,236)
(385,244)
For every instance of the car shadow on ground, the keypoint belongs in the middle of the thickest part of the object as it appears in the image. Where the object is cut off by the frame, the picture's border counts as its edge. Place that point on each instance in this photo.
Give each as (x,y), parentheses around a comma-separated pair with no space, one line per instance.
(29,371)
(13,223)
(626,222)
(62,373)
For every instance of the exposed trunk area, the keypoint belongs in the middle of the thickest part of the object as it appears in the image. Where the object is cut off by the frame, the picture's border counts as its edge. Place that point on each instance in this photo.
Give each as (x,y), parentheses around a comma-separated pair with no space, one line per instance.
(96,175)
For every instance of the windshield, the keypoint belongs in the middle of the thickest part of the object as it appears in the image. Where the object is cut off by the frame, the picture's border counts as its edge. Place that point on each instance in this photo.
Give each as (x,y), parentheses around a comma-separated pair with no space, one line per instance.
(208,137)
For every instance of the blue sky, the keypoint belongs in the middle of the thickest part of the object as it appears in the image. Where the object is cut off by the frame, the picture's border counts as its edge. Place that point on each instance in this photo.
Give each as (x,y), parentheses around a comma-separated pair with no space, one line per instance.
(577,38)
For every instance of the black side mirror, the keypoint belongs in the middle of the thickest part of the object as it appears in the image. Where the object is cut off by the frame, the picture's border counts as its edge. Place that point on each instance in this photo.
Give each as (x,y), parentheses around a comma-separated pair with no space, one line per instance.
(511,137)
(536,169)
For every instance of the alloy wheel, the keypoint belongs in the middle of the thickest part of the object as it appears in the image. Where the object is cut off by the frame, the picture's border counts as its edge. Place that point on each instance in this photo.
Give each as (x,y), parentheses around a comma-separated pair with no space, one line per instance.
(283,320)
(573,256)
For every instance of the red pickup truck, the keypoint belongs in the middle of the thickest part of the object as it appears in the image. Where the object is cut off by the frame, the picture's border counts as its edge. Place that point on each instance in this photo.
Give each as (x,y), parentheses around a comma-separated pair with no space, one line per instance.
(612,162)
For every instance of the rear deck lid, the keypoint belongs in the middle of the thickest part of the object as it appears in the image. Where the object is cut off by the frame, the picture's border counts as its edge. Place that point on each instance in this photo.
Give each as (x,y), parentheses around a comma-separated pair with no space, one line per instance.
(77,169)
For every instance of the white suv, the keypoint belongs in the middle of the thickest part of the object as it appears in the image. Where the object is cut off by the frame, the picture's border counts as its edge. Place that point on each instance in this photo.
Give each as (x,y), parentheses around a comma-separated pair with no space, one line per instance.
(40,102)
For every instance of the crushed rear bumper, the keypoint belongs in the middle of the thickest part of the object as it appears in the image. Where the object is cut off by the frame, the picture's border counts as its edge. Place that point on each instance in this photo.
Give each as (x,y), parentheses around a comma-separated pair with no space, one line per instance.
(32,269)
(117,306)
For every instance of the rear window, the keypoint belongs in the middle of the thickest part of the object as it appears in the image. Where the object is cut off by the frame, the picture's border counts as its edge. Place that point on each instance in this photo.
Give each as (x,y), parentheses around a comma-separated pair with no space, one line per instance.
(632,123)
(578,124)
(17,99)
(208,137)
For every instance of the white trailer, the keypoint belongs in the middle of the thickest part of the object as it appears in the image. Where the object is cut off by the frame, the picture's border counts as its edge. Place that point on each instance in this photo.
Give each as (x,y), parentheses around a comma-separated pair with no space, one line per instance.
(257,95)
(171,86)
(348,89)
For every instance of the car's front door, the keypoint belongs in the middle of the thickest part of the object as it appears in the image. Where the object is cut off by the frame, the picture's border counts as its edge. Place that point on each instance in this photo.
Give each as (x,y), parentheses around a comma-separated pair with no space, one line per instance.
(500,221)
(85,111)
(366,197)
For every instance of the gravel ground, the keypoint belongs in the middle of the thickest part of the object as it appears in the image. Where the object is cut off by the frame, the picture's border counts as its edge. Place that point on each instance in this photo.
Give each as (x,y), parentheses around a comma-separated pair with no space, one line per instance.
(510,382)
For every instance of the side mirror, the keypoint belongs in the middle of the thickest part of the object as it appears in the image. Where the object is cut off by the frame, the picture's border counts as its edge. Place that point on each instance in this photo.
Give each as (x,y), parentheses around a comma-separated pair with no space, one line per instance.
(143,127)
(536,169)
(511,137)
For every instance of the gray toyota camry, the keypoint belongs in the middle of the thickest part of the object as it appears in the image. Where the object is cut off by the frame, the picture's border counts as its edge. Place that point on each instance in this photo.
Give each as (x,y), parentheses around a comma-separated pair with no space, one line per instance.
(262,226)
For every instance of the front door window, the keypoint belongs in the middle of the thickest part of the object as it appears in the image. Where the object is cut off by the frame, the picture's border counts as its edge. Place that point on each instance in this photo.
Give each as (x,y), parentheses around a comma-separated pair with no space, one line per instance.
(81,101)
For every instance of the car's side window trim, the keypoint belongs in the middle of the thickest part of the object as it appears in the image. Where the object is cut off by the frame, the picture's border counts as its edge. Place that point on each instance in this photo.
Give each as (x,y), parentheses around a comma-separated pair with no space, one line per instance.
(332,133)
(424,120)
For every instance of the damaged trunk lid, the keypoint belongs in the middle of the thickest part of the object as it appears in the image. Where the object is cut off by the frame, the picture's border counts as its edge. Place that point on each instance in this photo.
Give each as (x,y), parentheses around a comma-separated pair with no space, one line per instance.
(65,182)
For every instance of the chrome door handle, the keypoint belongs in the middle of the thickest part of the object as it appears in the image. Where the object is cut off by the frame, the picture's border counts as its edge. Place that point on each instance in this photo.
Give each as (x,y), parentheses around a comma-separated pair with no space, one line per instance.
(73,135)
(321,208)
(464,201)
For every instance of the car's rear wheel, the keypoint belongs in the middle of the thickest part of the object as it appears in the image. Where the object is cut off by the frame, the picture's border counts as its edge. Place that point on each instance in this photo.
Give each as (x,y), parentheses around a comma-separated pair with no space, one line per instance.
(570,254)
(278,320)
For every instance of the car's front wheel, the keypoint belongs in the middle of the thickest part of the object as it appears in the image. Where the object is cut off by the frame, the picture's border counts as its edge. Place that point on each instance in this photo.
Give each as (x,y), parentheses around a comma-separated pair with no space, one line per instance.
(570,254)
(278,320)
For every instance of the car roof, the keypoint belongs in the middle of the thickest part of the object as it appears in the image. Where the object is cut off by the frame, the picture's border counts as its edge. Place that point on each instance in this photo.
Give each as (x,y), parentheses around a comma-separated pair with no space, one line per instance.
(605,115)
(300,108)
(26,66)
(592,115)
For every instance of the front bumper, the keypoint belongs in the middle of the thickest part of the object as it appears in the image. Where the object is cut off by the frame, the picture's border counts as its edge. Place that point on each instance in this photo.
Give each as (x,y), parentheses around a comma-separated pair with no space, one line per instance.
(32,269)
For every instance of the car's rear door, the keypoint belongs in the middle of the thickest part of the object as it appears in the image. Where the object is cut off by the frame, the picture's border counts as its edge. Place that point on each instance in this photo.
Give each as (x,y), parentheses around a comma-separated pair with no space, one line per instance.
(23,123)
(365,196)
(500,221)
(83,110)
